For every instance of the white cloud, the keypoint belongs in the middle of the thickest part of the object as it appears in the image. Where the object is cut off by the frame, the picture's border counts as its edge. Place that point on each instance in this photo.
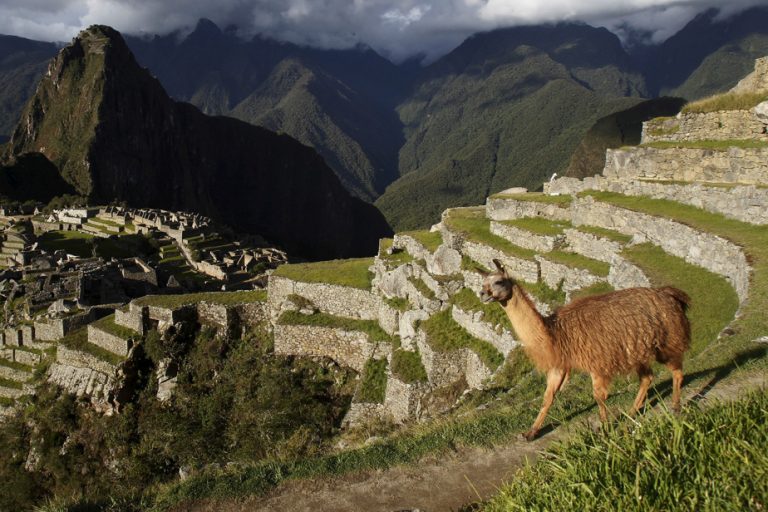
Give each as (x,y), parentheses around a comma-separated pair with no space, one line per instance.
(397,28)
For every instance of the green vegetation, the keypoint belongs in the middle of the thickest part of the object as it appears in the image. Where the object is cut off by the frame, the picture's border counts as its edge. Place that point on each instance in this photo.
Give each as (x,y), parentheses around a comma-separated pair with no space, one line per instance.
(370,327)
(73,242)
(8,383)
(407,366)
(539,225)
(398,303)
(224,298)
(86,245)
(595,289)
(537,197)
(493,313)
(606,233)
(15,365)
(717,145)
(727,101)
(351,272)
(373,385)
(422,287)
(397,258)
(431,240)
(574,260)
(78,340)
(108,324)
(665,462)
(444,334)
(473,223)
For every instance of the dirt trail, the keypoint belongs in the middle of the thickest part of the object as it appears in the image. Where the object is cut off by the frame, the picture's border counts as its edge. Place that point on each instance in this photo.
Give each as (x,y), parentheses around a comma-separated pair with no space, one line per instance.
(445,484)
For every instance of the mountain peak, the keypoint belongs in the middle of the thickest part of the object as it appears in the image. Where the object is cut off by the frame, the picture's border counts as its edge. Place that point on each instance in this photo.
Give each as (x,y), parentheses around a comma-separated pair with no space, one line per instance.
(206,27)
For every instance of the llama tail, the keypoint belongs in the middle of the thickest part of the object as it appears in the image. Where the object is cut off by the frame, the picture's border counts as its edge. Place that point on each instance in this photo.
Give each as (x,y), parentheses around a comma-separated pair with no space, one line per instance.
(679,295)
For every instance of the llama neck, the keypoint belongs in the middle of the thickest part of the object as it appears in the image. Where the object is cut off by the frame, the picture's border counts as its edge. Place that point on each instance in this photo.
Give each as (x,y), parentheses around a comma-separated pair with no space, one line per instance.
(530,327)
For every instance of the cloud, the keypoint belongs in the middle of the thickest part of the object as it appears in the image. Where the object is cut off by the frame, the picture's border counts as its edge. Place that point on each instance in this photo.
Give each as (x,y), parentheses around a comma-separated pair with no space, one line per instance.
(396,28)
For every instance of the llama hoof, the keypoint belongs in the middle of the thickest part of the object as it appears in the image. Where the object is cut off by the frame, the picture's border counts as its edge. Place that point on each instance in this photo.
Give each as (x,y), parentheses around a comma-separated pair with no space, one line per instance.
(530,435)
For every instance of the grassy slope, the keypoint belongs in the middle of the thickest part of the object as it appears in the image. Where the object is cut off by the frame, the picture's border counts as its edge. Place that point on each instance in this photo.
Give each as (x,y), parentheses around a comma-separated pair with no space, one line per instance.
(353,272)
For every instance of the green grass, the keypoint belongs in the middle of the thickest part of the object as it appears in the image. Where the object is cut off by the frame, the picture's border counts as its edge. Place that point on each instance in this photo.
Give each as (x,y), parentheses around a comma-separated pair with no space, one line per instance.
(727,101)
(108,324)
(444,334)
(714,184)
(373,386)
(494,314)
(7,402)
(573,260)
(708,459)
(407,366)
(595,289)
(15,365)
(351,272)
(606,233)
(476,227)
(539,225)
(537,197)
(429,239)
(73,242)
(423,289)
(78,340)
(717,145)
(224,298)
(370,327)
(394,260)
(8,383)
(398,303)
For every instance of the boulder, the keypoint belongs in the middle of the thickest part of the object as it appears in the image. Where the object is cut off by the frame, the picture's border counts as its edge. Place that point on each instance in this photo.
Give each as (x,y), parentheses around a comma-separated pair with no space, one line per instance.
(444,262)
(761,112)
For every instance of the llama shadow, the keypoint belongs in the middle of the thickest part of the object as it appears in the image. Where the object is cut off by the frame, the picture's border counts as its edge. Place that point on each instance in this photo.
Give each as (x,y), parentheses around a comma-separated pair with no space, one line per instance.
(716,374)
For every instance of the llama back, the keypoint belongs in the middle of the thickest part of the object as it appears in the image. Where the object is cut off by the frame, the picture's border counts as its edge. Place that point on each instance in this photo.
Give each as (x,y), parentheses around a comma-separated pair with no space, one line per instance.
(614,333)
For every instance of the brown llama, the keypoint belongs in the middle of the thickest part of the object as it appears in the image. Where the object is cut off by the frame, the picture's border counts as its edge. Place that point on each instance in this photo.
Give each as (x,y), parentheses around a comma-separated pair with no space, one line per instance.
(604,335)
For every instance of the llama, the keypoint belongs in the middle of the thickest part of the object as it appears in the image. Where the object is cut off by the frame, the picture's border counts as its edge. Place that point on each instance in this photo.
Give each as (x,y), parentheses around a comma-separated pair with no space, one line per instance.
(604,335)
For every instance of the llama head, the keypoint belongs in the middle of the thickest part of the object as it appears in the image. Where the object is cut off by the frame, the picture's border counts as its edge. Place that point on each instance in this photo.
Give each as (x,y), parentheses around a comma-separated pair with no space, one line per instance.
(497,286)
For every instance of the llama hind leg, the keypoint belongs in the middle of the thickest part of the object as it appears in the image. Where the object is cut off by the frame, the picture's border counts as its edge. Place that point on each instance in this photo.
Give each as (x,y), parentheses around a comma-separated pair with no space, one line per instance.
(600,391)
(555,378)
(646,377)
(676,367)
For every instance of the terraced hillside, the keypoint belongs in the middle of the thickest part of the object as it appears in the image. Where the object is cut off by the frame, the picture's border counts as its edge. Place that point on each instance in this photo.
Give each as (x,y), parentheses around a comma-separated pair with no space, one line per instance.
(684,208)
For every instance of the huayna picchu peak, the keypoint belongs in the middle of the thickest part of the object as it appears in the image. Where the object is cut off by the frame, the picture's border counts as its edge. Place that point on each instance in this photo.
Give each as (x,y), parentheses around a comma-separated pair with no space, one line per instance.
(114,135)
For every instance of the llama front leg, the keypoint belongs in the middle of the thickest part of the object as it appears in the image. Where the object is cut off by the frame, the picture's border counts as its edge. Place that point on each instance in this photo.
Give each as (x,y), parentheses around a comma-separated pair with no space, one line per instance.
(555,378)
(676,367)
(600,391)
(646,377)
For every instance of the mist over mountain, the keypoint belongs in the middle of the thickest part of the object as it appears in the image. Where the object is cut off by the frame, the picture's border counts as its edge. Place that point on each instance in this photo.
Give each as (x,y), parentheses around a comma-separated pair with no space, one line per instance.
(113,134)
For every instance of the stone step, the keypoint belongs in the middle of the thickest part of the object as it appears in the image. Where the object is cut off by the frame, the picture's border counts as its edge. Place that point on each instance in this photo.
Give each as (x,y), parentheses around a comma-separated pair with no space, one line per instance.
(14,373)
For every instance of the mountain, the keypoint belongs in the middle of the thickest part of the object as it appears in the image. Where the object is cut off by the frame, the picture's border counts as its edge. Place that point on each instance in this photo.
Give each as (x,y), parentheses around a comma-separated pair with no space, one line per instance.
(708,55)
(506,108)
(340,102)
(115,135)
(22,63)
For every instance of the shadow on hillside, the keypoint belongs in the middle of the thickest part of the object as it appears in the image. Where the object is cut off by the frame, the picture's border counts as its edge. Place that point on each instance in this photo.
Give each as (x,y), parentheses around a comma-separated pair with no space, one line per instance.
(715,375)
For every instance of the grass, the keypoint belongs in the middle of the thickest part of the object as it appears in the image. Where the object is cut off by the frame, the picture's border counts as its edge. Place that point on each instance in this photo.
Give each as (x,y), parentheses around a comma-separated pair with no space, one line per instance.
(108,324)
(708,459)
(714,184)
(727,101)
(717,145)
(72,242)
(537,197)
(350,272)
(431,240)
(78,340)
(7,402)
(398,303)
(407,366)
(494,314)
(373,386)
(573,260)
(370,327)
(444,334)
(224,298)
(423,289)
(539,225)
(476,227)
(397,258)
(606,233)
(595,289)
(15,365)
(8,383)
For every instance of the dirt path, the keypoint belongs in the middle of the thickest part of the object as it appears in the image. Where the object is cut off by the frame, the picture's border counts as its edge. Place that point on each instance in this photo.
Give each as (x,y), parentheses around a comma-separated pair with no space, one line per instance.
(445,484)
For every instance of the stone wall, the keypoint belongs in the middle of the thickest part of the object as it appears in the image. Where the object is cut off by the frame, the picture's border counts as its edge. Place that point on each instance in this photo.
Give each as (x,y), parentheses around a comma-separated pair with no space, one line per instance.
(509,209)
(80,380)
(347,348)
(6,372)
(403,401)
(624,274)
(252,313)
(746,203)
(108,341)
(412,246)
(68,357)
(360,413)
(328,298)
(703,249)
(518,268)
(133,319)
(498,336)
(722,125)
(592,246)
(523,238)
(734,165)
(216,314)
(55,329)
(447,367)
(572,278)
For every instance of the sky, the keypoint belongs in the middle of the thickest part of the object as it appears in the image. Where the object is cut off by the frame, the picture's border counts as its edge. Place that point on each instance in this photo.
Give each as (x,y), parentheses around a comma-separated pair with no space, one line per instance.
(395,28)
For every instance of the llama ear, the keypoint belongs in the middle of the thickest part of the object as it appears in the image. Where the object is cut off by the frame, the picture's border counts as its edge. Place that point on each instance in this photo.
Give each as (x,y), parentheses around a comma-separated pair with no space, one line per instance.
(500,266)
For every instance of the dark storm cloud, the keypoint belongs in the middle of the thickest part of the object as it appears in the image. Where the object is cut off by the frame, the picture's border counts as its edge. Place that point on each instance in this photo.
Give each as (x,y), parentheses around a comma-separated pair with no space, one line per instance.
(397,28)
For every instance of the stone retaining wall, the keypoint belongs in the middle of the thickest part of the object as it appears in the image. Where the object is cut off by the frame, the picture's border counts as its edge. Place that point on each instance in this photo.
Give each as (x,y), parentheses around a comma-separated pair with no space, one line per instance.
(746,203)
(6,372)
(347,348)
(498,336)
(734,165)
(525,270)
(510,209)
(523,238)
(132,319)
(108,341)
(592,246)
(572,278)
(722,125)
(447,367)
(329,298)
(68,357)
(403,401)
(703,249)
(624,274)
(55,329)
(80,380)
(25,357)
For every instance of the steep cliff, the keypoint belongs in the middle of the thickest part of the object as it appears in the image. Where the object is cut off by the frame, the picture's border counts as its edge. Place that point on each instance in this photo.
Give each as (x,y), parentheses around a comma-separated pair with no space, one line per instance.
(114,134)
